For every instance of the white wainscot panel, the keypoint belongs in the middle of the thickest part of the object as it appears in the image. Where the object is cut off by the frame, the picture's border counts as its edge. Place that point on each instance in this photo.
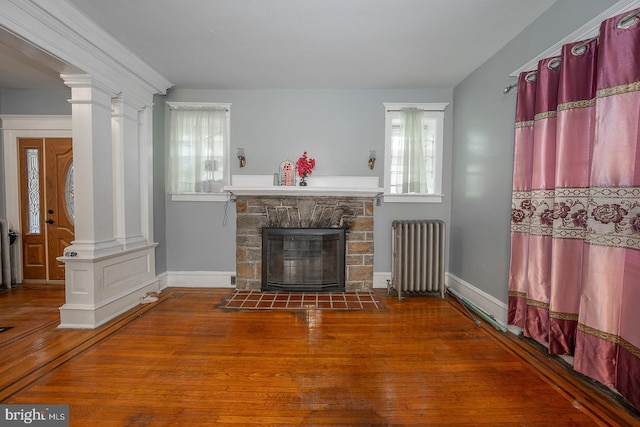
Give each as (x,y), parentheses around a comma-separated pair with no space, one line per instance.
(123,271)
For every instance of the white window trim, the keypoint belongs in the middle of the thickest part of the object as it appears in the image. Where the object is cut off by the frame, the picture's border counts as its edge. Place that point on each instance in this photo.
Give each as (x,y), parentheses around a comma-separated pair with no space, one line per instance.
(437,195)
(208,197)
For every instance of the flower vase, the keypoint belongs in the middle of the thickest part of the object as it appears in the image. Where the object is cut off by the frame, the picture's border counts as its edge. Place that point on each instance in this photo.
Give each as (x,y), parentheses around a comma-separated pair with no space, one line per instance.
(303,183)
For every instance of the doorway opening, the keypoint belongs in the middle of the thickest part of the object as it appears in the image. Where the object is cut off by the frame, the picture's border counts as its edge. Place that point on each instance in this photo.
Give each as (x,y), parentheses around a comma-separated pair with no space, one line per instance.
(46,191)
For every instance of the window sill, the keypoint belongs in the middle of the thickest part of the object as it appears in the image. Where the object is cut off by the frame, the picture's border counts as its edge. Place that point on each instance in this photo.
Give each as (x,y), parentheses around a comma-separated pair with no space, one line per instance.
(200,197)
(412,198)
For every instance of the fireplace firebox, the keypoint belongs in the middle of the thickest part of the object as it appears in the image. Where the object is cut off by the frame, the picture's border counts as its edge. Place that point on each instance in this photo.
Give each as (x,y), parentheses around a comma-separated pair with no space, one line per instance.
(303,259)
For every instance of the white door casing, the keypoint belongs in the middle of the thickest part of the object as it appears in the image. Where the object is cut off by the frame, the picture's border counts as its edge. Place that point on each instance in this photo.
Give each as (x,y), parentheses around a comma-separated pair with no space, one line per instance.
(24,126)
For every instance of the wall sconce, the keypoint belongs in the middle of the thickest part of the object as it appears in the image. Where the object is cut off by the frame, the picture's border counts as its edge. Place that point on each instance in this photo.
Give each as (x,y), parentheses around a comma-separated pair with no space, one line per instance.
(372,159)
(241,158)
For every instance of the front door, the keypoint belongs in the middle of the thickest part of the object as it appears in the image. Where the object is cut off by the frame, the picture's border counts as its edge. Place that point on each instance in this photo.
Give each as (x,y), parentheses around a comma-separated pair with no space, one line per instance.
(46,199)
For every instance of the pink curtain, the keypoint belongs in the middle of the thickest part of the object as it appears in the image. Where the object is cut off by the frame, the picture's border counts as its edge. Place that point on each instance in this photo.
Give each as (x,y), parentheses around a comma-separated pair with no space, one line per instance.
(574,280)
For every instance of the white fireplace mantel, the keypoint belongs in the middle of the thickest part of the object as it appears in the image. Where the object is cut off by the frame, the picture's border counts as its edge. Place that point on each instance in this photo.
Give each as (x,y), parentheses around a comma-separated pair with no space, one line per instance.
(262,185)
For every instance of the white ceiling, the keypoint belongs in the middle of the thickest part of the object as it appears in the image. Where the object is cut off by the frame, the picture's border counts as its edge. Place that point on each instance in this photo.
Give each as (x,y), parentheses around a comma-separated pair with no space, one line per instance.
(295,44)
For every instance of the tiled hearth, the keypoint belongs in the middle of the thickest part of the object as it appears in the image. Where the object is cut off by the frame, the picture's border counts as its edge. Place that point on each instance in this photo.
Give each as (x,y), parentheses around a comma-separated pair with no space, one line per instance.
(255,300)
(355,214)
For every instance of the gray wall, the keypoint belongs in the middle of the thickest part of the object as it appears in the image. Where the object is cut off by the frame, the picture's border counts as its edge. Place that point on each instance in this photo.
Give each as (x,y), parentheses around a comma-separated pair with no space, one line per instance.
(35,101)
(23,101)
(336,127)
(483,149)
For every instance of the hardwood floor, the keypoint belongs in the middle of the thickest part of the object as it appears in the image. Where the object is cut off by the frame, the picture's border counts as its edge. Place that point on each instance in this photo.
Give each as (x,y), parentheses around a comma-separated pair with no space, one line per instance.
(185,361)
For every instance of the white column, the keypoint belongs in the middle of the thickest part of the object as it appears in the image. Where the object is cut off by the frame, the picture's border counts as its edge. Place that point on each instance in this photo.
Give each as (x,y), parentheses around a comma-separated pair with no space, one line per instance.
(92,168)
(110,264)
(127,178)
(146,170)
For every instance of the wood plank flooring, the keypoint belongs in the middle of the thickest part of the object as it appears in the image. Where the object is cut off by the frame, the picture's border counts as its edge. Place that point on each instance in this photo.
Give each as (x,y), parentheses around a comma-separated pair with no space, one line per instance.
(185,361)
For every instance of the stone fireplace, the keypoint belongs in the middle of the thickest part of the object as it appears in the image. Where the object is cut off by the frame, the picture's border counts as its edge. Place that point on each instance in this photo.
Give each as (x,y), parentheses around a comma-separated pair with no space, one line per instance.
(317,210)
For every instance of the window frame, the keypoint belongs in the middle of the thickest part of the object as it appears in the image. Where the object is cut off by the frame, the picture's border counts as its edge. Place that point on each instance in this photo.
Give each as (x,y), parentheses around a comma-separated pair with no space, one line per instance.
(433,110)
(205,197)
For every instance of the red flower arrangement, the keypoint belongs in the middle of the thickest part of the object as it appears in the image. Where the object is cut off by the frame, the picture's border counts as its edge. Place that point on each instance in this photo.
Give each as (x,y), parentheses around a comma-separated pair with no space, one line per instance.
(305,165)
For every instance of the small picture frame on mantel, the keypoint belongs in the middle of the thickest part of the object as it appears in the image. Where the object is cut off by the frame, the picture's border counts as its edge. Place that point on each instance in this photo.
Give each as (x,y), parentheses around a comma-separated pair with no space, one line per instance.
(287,173)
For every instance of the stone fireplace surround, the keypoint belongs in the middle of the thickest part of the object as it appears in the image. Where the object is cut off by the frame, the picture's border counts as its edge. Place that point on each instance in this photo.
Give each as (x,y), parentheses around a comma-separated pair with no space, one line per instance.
(354,214)
(327,202)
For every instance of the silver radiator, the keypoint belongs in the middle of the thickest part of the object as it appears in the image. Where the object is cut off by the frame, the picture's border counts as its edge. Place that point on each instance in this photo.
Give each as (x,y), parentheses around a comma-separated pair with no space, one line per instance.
(417,250)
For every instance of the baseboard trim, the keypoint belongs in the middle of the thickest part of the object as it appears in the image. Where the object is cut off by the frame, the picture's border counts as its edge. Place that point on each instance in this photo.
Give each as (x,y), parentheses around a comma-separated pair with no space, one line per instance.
(482,300)
(197,279)
(381,280)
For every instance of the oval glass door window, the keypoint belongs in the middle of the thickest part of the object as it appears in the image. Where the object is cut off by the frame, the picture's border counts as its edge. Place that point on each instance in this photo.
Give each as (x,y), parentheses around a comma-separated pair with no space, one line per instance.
(68,194)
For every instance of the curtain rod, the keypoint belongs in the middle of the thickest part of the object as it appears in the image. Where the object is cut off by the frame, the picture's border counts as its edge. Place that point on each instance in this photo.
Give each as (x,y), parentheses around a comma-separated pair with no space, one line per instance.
(421,109)
(178,104)
(588,30)
(424,106)
(173,107)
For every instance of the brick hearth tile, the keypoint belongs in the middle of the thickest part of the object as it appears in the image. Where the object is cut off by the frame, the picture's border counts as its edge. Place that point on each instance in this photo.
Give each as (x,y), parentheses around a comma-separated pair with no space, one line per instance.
(295,304)
(242,293)
(235,303)
(339,304)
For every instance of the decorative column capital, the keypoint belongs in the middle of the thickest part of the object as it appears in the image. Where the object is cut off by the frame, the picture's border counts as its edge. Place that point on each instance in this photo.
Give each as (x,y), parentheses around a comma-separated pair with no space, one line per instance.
(87,90)
(84,81)
(125,108)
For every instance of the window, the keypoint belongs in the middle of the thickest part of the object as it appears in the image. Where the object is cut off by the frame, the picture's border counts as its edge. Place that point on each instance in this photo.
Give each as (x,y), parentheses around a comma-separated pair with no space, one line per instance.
(198,150)
(413,152)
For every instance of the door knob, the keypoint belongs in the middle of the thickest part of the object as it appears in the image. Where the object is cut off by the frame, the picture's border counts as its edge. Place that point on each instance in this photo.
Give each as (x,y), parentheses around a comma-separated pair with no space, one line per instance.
(50,211)
(49,221)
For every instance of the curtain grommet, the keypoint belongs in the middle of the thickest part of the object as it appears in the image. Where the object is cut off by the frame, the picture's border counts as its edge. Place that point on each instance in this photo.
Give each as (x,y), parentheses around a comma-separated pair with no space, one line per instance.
(554,63)
(579,49)
(628,21)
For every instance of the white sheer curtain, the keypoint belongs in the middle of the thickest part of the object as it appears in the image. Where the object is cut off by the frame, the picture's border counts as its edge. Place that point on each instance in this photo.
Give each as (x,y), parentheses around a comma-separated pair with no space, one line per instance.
(197,149)
(413,177)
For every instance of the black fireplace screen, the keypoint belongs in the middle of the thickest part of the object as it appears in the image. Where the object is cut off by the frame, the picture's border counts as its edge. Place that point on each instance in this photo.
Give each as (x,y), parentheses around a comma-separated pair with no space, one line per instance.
(303,259)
